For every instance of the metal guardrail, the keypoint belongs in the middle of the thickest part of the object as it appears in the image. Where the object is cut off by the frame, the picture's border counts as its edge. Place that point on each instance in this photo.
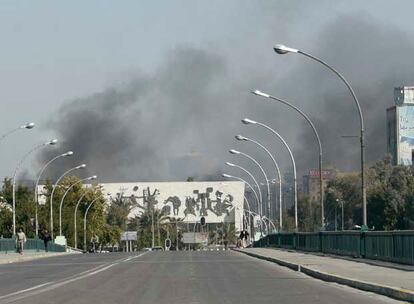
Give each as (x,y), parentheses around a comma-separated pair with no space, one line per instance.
(9,245)
(393,246)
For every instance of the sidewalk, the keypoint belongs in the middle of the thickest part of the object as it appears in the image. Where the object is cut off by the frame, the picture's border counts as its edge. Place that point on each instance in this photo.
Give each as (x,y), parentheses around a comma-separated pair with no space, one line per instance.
(13,257)
(395,283)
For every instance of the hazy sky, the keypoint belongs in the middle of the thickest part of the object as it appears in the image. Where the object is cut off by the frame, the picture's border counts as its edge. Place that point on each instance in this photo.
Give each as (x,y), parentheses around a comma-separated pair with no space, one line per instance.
(53,53)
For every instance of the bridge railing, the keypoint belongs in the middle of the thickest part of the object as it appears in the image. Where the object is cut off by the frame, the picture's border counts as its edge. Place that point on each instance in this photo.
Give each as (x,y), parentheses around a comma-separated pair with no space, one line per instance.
(393,246)
(9,245)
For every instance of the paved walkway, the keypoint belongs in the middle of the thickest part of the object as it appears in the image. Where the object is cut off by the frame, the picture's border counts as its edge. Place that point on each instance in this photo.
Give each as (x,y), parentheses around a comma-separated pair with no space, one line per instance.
(28,255)
(343,271)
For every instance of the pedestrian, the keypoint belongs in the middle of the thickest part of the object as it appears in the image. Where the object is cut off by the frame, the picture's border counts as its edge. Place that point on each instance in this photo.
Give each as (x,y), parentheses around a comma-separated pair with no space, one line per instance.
(225,241)
(46,239)
(21,239)
(246,239)
(242,239)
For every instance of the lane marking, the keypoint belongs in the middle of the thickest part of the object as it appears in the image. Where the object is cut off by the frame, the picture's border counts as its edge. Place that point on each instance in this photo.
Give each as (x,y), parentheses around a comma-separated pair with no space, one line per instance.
(26,290)
(12,297)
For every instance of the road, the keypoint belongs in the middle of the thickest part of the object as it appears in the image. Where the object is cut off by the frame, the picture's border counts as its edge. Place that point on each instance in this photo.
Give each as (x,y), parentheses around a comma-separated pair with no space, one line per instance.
(167,277)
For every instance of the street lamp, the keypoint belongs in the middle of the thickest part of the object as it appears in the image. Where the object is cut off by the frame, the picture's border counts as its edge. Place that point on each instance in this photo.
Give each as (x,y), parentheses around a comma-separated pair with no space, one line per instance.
(74,217)
(53,191)
(242,180)
(233,151)
(84,222)
(49,143)
(282,49)
(27,126)
(270,97)
(248,121)
(259,207)
(64,195)
(243,138)
(69,153)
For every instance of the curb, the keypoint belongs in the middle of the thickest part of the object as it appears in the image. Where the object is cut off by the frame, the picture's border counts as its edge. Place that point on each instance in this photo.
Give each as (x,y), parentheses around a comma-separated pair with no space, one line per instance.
(20,259)
(392,292)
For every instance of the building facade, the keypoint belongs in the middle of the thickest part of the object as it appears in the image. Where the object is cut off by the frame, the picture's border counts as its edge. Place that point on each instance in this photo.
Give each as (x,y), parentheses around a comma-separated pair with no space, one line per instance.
(311,182)
(400,127)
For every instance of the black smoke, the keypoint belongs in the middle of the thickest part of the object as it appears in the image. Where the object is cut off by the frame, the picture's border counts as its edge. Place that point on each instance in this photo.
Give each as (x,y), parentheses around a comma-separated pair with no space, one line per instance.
(179,120)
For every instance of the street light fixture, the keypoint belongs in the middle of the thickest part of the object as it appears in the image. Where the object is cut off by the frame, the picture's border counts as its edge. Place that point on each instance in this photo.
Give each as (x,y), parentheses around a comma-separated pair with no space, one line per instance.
(282,49)
(49,143)
(248,121)
(64,195)
(259,206)
(27,126)
(243,138)
(69,153)
(270,97)
(232,151)
(244,181)
(82,166)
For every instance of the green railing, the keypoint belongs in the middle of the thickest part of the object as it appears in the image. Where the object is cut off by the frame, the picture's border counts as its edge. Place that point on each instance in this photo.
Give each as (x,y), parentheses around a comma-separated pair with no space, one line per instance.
(9,245)
(393,246)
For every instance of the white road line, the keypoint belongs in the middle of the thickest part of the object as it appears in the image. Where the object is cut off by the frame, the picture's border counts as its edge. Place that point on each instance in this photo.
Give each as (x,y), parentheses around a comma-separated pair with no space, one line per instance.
(12,297)
(25,290)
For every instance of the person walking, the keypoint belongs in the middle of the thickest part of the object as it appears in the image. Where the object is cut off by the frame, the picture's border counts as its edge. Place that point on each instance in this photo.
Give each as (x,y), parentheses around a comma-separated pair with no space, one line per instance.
(46,239)
(21,239)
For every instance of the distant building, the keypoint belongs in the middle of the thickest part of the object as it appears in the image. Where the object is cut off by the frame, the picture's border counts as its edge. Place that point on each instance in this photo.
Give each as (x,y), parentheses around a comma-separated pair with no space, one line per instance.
(400,127)
(311,182)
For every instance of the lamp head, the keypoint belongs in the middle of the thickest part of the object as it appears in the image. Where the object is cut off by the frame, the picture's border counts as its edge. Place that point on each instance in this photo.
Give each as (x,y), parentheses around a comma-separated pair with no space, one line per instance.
(69,153)
(232,151)
(81,166)
(226,175)
(259,93)
(240,137)
(283,49)
(92,177)
(53,142)
(230,164)
(29,125)
(248,121)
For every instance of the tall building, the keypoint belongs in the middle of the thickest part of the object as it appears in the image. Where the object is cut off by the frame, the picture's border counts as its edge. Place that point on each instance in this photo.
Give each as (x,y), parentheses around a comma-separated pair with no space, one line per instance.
(400,127)
(311,182)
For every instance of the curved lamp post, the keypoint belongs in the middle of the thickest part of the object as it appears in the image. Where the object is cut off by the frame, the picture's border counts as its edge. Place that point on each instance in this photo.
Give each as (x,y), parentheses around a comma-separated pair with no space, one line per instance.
(315,132)
(64,195)
(233,151)
(260,202)
(69,153)
(84,222)
(282,49)
(74,222)
(27,126)
(248,121)
(242,180)
(52,142)
(242,138)
(53,191)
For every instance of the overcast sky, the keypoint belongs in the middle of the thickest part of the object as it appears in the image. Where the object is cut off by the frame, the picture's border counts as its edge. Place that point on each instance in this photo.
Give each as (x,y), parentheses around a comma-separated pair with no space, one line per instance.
(54,53)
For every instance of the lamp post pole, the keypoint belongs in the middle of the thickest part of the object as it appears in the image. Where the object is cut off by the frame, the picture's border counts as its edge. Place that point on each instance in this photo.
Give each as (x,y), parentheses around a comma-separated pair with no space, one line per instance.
(239,137)
(260,198)
(52,142)
(250,186)
(53,192)
(233,151)
(295,193)
(64,195)
(84,223)
(282,49)
(69,153)
(28,126)
(315,132)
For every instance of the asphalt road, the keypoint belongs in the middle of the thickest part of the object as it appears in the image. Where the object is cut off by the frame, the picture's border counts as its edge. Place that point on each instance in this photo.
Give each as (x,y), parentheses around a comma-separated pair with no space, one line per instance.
(167,277)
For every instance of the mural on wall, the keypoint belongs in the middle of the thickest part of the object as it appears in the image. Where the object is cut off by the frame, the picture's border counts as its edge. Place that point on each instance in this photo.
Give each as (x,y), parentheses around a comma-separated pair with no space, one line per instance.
(216,201)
